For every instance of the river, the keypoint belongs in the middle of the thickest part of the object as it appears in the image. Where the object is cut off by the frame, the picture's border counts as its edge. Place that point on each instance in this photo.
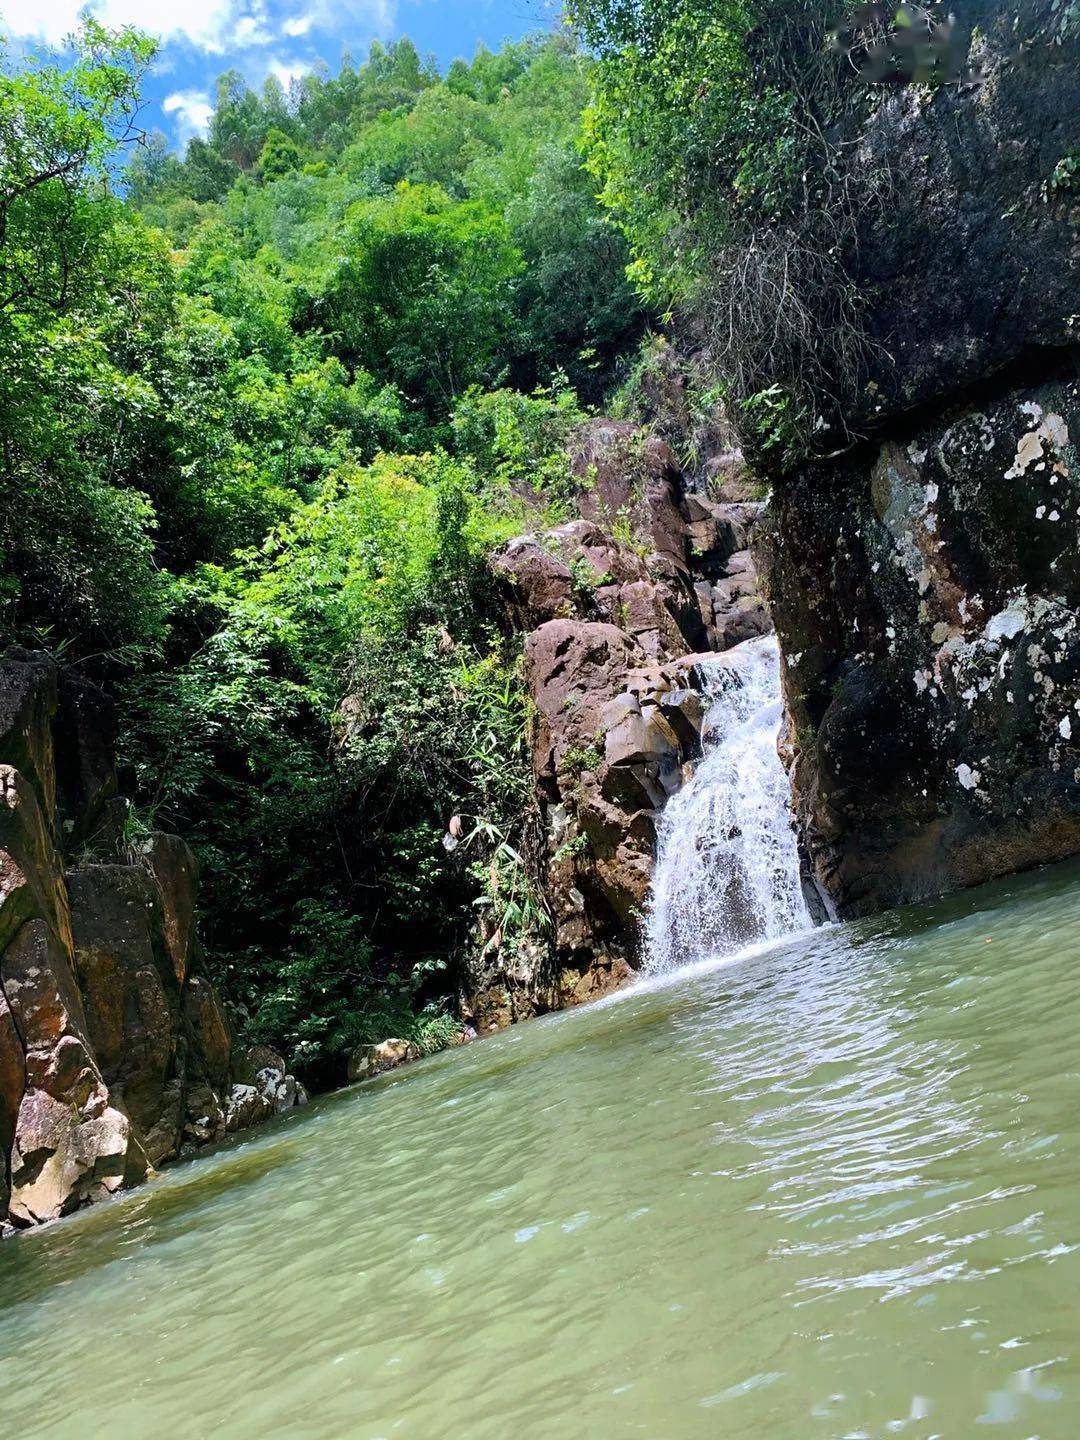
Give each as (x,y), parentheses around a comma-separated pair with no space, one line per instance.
(829,1189)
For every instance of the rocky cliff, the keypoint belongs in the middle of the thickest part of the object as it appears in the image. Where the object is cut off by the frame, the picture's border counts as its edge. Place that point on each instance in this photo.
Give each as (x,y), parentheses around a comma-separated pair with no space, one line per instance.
(614,606)
(114,1055)
(924,584)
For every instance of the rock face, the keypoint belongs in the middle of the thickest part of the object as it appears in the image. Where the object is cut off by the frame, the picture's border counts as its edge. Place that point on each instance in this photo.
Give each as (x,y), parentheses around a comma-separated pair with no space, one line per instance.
(615,605)
(926,593)
(925,585)
(977,262)
(110,1051)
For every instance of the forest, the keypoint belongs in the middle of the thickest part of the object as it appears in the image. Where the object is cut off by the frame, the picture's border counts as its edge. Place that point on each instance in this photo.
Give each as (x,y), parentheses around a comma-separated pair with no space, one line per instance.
(265,409)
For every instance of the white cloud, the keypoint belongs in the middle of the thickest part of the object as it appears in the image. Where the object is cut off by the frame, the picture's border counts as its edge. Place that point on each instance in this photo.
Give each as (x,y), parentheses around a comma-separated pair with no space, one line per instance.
(251,30)
(213,25)
(216,26)
(289,70)
(377,17)
(299,24)
(193,110)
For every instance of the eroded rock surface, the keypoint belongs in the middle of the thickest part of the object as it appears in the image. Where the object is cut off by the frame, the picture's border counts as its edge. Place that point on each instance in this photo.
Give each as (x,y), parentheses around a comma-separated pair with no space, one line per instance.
(926,593)
(112,1055)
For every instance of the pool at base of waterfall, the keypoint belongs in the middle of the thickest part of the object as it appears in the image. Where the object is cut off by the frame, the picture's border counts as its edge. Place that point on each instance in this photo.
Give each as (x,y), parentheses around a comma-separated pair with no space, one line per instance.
(826,1191)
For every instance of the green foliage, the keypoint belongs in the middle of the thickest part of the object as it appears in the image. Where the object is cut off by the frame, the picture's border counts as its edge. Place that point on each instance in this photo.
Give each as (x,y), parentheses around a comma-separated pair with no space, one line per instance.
(777,423)
(349,669)
(262,420)
(578,759)
(713,134)
(424,295)
(279,156)
(518,442)
(81,291)
(1065,176)
(323,996)
(439,234)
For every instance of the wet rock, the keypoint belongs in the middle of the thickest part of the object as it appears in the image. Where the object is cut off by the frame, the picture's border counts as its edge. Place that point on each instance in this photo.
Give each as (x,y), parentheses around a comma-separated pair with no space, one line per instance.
(606,975)
(613,600)
(368,1060)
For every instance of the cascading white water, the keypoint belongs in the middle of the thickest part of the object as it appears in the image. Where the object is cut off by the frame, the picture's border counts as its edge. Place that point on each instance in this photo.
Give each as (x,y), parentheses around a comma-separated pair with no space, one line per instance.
(727,867)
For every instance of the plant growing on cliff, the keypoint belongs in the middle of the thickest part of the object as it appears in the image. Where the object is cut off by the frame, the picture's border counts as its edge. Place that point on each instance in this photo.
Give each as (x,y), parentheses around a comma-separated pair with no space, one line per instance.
(712,136)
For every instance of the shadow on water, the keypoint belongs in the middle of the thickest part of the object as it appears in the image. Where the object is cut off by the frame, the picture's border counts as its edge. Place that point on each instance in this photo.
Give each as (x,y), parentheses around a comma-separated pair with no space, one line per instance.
(34,1263)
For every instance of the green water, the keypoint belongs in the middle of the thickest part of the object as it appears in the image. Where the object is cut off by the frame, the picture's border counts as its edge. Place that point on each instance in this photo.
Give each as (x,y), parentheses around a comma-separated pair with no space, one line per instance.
(832,1190)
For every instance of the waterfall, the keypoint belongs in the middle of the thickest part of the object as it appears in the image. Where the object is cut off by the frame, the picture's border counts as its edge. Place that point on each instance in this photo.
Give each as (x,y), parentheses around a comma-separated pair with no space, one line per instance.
(727,867)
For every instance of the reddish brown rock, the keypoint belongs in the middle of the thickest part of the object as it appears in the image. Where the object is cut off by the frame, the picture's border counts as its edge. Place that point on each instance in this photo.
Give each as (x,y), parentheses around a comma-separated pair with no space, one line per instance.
(573,669)
(131,998)
(649,574)
(176,873)
(604,976)
(71,1144)
(110,1050)
(537,584)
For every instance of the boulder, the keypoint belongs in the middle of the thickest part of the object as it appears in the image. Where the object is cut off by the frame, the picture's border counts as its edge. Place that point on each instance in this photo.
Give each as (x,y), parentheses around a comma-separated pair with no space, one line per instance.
(537,585)
(111,1050)
(573,670)
(607,973)
(70,1144)
(273,1092)
(369,1060)
(62,1157)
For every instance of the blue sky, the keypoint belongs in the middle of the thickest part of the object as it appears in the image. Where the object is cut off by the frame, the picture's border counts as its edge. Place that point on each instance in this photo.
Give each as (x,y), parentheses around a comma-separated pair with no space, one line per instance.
(202,38)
